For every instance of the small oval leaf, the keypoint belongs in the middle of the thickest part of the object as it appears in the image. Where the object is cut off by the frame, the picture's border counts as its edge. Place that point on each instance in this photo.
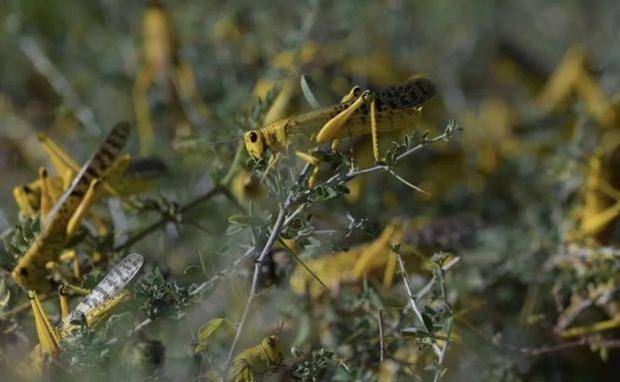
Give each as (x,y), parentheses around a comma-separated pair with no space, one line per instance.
(206,330)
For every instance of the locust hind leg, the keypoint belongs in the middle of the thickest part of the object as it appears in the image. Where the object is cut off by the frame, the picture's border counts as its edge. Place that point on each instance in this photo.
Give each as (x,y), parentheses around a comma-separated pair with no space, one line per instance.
(80,212)
(593,224)
(141,107)
(48,338)
(64,290)
(64,301)
(27,199)
(374,130)
(330,130)
(594,220)
(350,96)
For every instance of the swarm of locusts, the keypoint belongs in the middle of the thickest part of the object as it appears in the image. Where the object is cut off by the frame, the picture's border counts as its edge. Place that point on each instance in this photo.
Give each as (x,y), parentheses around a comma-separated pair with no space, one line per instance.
(261,201)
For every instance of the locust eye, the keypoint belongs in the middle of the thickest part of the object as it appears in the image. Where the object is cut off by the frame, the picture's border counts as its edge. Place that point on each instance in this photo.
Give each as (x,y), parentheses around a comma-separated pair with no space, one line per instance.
(253,137)
(272,342)
(357,91)
(24,272)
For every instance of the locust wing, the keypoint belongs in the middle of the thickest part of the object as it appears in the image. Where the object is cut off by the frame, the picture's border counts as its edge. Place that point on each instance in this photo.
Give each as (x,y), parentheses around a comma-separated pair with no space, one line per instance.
(108,292)
(30,271)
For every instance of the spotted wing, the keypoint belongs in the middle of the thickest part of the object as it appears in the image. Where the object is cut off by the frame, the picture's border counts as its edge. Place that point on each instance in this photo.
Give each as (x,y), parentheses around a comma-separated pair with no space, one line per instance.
(108,289)
(397,108)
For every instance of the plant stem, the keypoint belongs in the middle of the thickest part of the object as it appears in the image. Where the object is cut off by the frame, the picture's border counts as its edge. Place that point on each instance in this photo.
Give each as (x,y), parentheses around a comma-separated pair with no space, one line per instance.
(255,278)
(167,218)
(412,300)
(282,220)
(275,232)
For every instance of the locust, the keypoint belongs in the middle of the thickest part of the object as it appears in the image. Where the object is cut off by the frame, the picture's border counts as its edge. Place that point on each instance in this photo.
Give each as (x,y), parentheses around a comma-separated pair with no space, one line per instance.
(127,176)
(163,65)
(358,113)
(375,258)
(256,361)
(601,199)
(63,219)
(105,296)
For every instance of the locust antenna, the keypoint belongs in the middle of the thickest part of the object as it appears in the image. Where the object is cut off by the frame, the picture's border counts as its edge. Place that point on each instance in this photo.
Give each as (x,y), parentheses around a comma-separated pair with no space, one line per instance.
(191,142)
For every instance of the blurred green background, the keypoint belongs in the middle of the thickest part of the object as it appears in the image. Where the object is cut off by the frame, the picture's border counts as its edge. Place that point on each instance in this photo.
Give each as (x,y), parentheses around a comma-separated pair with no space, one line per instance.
(520,167)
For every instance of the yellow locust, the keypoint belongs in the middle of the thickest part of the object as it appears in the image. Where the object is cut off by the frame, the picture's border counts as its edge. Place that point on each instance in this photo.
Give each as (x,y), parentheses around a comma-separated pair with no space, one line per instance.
(358,113)
(601,200)
(67,213)
(376,258)
(162,65)
(127,176)
(256,361)
(106,295)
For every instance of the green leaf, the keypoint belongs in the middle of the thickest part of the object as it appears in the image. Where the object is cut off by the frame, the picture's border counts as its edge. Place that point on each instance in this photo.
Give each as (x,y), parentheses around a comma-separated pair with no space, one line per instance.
(205,331)
(245,220)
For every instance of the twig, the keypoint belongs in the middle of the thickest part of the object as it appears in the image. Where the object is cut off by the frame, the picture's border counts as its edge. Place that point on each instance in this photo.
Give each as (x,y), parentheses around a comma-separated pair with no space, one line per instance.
(282,219)
(354,173)
(438,371)
(381,343)
(612,323)
(167,218)
(427,288)
(23,307)
(207,284)
(140,326)
(275,232)
(571,313)
(257,265)
(412,299)
(203,286)
(611,343)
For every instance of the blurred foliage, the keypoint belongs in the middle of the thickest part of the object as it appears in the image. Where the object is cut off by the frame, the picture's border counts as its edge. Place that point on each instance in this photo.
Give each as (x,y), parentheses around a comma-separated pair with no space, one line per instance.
(525,288)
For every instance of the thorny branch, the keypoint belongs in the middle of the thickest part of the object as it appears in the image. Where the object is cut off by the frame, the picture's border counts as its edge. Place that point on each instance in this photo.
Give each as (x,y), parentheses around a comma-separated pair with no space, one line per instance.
(167,218)
(412,300)
(204,285)
(275,231)
(283,220)
(585,341)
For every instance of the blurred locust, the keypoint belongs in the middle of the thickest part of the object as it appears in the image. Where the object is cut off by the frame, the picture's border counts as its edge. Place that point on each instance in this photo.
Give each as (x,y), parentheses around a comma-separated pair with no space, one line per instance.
(97,303)
(601,204)
(61,222)
(254,362)
(572,75)
(358,113)
(162,64)
(126,177)
(377,257)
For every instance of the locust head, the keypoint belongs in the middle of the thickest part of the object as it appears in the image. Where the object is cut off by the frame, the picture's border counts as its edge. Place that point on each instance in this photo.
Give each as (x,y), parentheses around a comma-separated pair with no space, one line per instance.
(273,350)
(255,144)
